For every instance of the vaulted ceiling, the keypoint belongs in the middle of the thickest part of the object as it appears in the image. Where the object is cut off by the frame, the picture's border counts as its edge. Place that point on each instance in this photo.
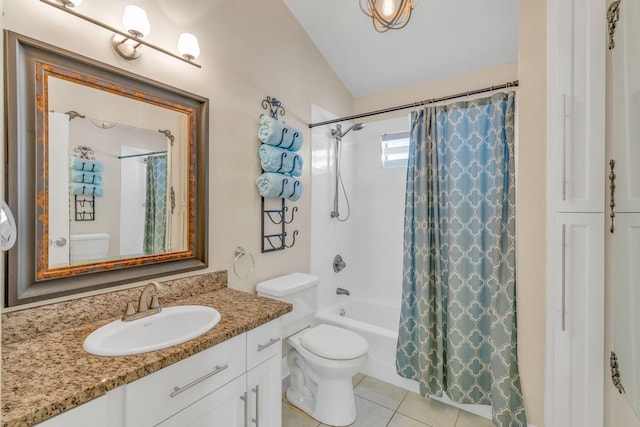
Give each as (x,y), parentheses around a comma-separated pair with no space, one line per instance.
(443,38)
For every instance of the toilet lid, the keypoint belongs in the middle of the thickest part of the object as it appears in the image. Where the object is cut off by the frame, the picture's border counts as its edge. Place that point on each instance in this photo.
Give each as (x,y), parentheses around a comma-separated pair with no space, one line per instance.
(335,343)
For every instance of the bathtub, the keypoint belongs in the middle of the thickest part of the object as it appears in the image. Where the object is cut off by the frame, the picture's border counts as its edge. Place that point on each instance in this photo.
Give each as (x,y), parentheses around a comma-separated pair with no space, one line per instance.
(378,324)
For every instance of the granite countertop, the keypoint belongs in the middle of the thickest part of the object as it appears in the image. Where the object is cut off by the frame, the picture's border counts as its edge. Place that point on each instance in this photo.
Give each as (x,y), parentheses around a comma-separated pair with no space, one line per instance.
(50,373)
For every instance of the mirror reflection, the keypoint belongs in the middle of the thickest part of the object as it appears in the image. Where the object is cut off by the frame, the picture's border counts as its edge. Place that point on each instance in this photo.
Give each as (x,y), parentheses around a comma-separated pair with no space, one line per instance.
(116,184)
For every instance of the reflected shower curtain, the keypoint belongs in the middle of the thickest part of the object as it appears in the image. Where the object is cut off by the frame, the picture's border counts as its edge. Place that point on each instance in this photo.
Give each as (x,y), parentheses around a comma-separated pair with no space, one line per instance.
(155,221)
(458,320)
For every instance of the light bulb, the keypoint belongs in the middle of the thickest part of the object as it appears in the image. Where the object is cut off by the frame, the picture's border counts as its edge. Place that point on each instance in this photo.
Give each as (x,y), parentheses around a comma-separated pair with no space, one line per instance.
(388,8)
(135,21)
(188,46)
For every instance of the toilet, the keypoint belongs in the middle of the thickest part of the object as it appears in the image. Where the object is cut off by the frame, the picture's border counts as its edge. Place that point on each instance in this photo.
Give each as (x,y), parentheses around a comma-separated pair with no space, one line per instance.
(88,247)
(322,358)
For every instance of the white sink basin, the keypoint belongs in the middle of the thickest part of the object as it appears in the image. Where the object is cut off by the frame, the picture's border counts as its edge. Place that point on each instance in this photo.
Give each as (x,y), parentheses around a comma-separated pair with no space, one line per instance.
(173,325)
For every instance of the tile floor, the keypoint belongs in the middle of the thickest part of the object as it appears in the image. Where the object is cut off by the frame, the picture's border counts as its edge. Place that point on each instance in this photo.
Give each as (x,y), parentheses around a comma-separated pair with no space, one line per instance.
(380,404)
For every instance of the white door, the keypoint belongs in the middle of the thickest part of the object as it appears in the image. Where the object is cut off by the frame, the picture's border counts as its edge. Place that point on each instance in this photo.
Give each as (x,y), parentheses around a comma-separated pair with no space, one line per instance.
(224,407)
(132,197)
(58,189)
(264,391)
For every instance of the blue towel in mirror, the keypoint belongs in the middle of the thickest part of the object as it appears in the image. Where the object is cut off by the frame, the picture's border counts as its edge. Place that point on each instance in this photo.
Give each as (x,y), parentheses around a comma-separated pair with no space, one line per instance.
(86,165)
(86,189)
(274,159)
(86,177)
(277,185)
(278,134)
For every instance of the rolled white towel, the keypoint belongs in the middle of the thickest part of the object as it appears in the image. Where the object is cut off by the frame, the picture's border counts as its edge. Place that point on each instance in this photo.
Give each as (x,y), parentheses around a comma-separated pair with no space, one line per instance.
(277,185)
(86,165)
(86,189)
(278,134)
(279,160)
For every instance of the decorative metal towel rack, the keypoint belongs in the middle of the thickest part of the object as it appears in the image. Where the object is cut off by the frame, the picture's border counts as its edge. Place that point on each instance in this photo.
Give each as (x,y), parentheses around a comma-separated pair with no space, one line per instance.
(85,206)
(275,219)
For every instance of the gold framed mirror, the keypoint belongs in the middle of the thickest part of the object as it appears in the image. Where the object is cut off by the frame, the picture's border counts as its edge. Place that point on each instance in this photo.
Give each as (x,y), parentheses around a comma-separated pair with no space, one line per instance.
(106,174)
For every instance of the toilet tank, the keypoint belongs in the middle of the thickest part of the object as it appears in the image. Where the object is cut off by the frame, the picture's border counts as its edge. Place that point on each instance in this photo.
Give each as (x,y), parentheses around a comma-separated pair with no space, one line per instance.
(298,289)
(89,246)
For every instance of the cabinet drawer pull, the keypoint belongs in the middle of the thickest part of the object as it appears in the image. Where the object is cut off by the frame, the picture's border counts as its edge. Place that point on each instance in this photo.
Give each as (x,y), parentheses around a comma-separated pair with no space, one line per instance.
(256,420)
(246,406)
(177,390)
(564,147)
(564,277)
(271,342)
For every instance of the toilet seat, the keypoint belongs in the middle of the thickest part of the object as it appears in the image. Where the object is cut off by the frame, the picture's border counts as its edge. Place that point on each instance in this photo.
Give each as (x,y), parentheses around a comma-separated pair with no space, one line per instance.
(332,342)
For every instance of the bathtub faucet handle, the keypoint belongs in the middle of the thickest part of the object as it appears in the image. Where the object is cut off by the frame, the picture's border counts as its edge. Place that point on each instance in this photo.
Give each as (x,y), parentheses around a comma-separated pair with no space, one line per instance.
(338,264)
(341,291)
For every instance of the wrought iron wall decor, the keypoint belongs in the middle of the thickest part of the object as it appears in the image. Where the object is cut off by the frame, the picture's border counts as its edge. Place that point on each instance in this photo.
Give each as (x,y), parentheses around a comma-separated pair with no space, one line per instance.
(275,219)
(84,205)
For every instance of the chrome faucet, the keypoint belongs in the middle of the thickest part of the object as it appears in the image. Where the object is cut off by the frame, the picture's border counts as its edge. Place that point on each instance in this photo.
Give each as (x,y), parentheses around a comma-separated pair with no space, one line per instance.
(145,307)
(341,291)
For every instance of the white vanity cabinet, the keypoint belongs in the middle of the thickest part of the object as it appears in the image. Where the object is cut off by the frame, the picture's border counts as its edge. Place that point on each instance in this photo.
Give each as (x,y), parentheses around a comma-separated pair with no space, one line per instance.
(170,391)
(237,383)
(223,407)
(264,375)
(94,413)
(234,384)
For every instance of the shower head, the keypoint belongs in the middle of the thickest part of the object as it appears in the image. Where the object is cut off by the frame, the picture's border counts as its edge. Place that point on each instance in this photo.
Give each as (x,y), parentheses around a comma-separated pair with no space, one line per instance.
(338,133)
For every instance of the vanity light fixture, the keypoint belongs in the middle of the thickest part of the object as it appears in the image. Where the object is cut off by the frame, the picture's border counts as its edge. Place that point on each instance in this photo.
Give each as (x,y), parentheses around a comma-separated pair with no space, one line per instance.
(136,23)
(388,14)
(129,42)
(188,46)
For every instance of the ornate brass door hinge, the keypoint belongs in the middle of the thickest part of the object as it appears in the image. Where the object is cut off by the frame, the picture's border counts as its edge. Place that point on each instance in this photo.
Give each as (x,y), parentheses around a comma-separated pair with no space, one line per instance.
(612,191)
(613,16)
(615,372)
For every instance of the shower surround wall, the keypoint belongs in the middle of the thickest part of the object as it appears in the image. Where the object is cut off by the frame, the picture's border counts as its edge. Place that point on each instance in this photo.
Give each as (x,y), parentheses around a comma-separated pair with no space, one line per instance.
(370,241)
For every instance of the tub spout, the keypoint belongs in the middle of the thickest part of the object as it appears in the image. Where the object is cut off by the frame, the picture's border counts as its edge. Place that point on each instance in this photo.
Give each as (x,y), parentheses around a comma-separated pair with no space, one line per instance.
(341,291)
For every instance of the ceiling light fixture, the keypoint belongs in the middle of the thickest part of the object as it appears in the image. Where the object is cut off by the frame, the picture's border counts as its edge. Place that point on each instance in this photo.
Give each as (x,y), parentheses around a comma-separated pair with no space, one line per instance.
(388,14)
(136,24)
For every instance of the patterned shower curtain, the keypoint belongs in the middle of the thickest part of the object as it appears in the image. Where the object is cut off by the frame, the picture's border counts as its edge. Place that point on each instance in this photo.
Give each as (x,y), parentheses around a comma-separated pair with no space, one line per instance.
(155,221)
(458,320)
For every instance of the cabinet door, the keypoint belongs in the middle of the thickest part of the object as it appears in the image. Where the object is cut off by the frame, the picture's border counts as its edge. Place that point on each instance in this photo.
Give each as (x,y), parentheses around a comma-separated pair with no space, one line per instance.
(161,394)
(224,407)
(625,275)
(93,413)
(264,391)
(625,108)
(576,105)
(577,304)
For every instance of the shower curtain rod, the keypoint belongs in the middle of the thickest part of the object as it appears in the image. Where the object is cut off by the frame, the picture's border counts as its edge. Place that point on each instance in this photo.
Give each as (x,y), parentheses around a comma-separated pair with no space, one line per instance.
(153,153)
(514,83)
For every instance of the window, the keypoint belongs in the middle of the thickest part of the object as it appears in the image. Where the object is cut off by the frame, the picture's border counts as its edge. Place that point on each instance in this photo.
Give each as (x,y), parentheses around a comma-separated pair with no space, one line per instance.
(394,149)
